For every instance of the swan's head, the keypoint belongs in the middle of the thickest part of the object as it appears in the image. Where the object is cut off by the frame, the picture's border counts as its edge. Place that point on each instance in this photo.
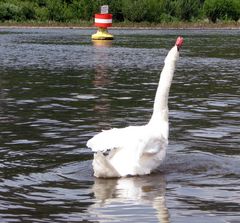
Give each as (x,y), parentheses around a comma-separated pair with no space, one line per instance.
(179,42)
(173,54)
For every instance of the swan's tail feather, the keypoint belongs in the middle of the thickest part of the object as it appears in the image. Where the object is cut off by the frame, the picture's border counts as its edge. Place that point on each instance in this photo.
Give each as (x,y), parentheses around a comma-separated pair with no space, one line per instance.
(102,167)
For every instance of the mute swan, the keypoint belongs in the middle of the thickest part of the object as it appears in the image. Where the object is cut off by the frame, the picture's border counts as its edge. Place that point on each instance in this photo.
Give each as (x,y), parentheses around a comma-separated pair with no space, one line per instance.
(137,150)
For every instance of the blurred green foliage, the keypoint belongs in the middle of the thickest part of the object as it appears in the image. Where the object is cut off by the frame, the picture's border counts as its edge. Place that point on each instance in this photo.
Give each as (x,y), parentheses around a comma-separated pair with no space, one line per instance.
(153,11)
(222,10)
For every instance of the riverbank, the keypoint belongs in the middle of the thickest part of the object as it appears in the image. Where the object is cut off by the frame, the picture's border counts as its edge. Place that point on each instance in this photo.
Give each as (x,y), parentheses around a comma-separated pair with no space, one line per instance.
(126,25)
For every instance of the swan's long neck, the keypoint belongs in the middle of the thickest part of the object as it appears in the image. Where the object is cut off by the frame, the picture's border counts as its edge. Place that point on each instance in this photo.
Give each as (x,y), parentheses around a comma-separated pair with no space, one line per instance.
(160,109)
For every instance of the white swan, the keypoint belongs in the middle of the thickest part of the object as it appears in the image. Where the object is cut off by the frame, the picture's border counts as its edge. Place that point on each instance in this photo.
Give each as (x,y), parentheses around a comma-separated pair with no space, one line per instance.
(137,150)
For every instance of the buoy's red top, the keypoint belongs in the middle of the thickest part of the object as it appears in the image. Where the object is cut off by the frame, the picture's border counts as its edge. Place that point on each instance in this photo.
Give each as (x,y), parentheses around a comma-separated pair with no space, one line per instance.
(103,20)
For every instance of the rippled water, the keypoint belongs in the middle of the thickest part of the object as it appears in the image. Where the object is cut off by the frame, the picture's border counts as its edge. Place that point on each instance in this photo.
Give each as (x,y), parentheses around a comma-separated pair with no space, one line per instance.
(57,89)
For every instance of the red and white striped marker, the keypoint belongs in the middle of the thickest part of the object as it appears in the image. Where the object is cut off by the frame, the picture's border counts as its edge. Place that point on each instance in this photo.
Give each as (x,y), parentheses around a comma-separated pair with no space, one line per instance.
(103,20)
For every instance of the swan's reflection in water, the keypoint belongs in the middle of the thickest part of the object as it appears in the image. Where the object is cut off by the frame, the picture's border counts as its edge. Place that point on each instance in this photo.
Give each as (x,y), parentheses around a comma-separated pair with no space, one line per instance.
(138,199)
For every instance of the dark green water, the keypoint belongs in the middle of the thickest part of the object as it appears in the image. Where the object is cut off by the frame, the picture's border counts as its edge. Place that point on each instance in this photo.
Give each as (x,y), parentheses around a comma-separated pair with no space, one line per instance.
(57,89)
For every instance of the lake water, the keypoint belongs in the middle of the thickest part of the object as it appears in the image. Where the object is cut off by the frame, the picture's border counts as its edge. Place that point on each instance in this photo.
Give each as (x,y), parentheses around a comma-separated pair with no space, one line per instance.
(58,89)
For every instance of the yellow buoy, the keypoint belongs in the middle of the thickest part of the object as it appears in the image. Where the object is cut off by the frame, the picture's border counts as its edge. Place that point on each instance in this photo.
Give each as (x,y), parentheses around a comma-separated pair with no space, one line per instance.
(103,21)
(102,34)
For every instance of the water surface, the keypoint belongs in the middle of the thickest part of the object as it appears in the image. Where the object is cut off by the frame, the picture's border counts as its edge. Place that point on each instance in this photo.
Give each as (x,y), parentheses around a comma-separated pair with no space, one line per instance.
(58,89)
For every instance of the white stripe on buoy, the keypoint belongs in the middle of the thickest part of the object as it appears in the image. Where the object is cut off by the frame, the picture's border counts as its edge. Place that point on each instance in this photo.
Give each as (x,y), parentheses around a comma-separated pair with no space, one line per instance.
(103,20)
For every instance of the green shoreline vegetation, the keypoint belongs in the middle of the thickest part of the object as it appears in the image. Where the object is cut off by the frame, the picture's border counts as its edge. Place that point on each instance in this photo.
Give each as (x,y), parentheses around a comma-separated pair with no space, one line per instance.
(126,13)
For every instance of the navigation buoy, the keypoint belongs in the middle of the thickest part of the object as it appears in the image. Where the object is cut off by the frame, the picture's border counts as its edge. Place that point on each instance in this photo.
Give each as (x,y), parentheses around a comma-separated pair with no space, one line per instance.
(103,21)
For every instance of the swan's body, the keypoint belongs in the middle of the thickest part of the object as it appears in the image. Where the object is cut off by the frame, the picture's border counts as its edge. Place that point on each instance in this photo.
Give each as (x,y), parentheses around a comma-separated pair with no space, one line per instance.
(137,150)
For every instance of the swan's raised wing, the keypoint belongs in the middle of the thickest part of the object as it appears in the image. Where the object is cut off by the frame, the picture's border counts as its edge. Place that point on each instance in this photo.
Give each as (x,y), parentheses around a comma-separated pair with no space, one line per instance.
(114,138)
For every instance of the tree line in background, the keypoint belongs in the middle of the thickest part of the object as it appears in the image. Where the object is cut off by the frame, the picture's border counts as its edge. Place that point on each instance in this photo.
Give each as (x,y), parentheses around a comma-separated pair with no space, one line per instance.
(153,11)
